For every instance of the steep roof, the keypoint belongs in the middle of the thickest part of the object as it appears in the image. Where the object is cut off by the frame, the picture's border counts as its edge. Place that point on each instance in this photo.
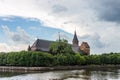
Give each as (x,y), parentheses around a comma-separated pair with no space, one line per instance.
(41,44)
(75,39)
(85,44)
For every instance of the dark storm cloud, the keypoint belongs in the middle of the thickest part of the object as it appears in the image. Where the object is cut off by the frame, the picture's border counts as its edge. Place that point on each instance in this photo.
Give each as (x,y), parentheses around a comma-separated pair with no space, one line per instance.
(108,10)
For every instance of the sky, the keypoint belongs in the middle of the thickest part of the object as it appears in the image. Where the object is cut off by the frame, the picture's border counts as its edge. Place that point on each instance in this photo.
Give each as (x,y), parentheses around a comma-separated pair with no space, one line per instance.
(95,21)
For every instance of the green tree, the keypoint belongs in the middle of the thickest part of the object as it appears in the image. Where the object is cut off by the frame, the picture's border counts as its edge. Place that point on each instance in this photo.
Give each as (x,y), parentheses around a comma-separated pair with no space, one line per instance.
(60,47)
(80,60)
(61,59)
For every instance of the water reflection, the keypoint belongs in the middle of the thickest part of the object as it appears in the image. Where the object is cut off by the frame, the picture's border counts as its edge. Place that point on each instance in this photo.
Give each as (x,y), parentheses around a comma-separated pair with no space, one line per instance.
(9,74)
(108,74)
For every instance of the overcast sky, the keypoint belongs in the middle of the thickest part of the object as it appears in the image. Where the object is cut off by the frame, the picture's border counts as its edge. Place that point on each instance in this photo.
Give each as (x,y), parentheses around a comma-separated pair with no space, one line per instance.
(96,22)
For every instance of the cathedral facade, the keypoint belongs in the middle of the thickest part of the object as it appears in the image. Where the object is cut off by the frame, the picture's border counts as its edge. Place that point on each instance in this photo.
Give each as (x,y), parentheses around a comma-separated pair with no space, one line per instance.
(43,45)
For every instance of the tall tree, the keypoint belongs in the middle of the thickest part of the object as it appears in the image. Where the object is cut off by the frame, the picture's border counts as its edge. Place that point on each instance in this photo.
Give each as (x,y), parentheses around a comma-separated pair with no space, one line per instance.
(60,47)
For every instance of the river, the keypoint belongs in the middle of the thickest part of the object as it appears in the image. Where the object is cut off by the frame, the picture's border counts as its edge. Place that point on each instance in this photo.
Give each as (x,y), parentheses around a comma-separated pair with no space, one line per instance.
(103,74)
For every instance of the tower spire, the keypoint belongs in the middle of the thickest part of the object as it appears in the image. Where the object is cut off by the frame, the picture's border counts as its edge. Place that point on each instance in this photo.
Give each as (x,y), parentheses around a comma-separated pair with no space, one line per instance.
(75,39)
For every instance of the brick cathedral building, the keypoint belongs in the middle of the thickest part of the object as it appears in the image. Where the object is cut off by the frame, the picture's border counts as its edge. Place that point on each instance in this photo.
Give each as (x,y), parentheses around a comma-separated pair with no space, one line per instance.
(43,45)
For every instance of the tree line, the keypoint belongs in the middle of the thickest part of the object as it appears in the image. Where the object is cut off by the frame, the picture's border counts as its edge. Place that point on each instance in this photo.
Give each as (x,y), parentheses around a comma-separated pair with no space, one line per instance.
(60,54)
(28,58)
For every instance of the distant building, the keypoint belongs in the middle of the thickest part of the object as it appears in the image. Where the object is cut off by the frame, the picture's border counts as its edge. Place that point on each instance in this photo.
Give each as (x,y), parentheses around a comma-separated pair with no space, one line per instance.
(84,48)
(43,45)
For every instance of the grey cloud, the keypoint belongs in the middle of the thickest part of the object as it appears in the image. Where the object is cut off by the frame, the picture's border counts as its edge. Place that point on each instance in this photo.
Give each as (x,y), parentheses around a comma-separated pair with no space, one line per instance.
(18,37)
(59,8)
(85,36)
(67,22)
(94,40)
(108,10)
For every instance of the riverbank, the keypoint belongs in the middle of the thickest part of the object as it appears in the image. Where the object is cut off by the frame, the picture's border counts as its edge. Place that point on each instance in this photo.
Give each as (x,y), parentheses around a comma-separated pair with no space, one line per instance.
(37,69)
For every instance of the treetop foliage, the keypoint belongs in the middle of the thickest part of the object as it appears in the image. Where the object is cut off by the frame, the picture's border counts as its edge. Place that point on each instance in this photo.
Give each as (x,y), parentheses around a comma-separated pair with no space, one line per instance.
(60,47)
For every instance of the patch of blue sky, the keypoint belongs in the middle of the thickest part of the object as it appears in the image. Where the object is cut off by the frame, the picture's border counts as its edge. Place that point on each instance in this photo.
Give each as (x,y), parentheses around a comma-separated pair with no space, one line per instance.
(15,21)
(32,26)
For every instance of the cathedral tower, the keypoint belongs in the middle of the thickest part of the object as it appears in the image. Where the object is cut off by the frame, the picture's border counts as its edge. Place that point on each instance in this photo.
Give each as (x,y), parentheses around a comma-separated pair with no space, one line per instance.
(75,40)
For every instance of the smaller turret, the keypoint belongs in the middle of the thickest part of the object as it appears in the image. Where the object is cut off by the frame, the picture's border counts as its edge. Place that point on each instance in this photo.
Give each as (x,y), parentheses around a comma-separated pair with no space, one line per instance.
(85,48)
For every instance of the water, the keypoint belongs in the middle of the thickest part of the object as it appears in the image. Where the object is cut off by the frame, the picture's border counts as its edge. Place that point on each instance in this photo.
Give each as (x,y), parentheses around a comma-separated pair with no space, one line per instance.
(104,74)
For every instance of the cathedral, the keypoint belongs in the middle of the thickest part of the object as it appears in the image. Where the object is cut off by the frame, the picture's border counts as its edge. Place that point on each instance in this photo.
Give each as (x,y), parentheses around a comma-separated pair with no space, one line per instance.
(43,45)
(84,48)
